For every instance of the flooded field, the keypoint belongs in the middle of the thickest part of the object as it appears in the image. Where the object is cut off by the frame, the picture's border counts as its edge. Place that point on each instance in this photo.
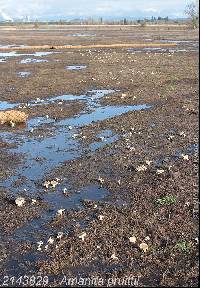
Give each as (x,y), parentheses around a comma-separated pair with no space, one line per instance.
(101,179)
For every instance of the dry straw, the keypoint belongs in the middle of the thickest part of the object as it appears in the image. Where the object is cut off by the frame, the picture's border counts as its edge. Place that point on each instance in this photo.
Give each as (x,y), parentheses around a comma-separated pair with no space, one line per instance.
(117,45)
(12,116)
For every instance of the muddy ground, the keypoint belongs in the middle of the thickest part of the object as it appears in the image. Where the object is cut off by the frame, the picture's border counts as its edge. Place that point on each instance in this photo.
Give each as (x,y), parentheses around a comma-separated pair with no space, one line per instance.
(119,138)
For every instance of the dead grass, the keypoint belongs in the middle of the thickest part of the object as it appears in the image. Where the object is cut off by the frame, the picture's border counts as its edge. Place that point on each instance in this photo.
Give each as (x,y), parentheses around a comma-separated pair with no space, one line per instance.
(12,116)
(117,45)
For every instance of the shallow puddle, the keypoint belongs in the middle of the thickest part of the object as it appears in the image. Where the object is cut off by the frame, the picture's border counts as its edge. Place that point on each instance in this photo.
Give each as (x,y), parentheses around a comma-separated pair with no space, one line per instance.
(36,54)
(193,42)
(6,55)
(12,45)
(76,67)
(182,46)
(4,105)
(106,137)
(81,35)
(190,150)
(57,200)
(62,146)
(31,60)
(43,155)
(23,74)
(91,98)
(102,113)
(17,266)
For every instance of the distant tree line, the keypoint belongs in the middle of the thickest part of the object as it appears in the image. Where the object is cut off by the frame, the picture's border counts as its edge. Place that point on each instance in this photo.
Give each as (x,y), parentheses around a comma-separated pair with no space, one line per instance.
(99,21)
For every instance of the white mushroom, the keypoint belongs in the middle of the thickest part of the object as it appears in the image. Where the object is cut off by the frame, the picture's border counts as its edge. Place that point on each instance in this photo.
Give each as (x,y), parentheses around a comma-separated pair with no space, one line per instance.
(50,240)
(100,217)
(82,236)
(182,133)
(20,201)
(101,180)
(185,157)
(147,238)
(12,124)
(132,239)
(141,168)
(148,162)
(170,137)
(60,212)
(65,191)
(54,183)
(46,184)
(114,257)
(144,247)
(60,235)
(34,201)
(160,171)
(40,243)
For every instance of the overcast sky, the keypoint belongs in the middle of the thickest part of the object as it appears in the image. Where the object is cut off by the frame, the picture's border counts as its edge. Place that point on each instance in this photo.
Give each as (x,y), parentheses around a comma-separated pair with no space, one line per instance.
(75,8)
